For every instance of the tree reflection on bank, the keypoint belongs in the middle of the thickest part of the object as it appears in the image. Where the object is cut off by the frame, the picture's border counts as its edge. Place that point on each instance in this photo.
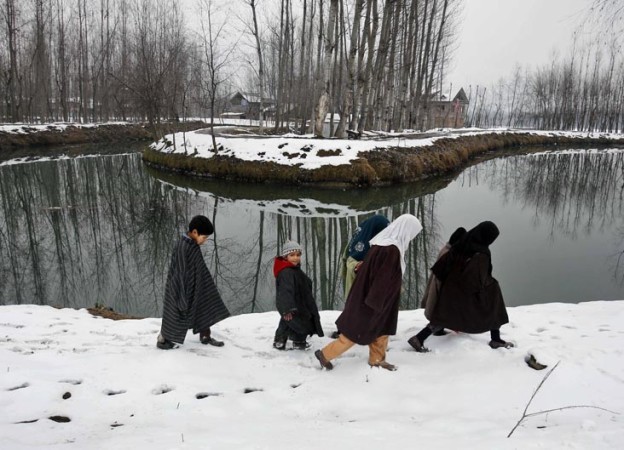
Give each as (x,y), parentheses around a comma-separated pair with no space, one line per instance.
(100,230)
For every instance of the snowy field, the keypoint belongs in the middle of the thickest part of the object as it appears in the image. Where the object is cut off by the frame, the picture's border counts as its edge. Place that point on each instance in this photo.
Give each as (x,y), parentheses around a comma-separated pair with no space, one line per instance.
(119,391)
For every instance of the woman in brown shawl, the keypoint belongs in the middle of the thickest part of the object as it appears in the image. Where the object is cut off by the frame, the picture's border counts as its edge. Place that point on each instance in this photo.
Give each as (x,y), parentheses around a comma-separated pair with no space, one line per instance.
(467,297)
(372,308)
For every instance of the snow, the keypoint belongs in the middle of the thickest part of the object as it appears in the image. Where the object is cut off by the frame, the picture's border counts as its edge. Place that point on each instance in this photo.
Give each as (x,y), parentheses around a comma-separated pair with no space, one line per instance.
(306,151)
(28,128)
(127,394)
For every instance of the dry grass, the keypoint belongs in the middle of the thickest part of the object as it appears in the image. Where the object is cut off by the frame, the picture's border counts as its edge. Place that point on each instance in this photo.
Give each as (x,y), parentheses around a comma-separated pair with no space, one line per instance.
(387,166)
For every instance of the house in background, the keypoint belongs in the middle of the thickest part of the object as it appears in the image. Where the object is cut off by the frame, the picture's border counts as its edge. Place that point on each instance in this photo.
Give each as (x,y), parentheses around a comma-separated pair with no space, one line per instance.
(444,113)
(245,105)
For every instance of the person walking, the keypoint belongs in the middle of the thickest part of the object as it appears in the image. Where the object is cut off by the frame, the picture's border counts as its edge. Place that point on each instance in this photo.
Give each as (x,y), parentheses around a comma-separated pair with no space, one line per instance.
(467,297)
(192,300)
(294,300)
(371,312)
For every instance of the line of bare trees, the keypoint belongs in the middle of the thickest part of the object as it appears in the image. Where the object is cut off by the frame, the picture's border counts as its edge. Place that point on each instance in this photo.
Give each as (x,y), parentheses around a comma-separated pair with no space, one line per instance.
(370,64)
(583,91)
(98,60)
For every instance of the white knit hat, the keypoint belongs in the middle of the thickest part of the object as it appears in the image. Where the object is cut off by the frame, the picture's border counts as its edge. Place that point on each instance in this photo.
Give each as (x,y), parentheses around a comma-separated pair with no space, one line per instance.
(289,247)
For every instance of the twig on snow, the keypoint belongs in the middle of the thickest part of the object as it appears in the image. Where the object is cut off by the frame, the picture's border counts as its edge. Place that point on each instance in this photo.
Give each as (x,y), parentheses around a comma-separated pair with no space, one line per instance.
(525,415)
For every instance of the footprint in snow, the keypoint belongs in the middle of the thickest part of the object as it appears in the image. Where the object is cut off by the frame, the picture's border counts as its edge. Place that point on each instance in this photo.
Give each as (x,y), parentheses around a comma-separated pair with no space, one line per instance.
(21,386)
(250,390)
(70,381)
(11,325)
(162,389)
(202,395)
(114,392)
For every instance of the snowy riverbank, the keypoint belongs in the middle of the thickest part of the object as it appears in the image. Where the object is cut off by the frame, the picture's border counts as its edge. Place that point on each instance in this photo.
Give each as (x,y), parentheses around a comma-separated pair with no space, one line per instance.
(308,152)
(127,394)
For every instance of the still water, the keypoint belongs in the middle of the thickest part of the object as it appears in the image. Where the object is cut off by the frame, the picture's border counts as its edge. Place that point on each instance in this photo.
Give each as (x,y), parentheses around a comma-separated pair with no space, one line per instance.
(100,229)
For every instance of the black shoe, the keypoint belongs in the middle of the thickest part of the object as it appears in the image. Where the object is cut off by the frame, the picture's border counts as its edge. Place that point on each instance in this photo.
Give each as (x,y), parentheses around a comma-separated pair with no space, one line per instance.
(335,334)
(164,344)
(324,363)
(441,332)
(207,339)
(500,344)
(279,345)
(417,345)
(301,345)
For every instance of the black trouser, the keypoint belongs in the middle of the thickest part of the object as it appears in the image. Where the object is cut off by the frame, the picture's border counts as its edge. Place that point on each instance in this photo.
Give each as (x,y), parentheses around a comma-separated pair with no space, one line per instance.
(284,331)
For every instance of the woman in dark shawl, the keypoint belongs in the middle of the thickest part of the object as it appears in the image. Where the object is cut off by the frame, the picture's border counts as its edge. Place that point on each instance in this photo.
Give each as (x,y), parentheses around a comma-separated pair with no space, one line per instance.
(372,309)
(468,298)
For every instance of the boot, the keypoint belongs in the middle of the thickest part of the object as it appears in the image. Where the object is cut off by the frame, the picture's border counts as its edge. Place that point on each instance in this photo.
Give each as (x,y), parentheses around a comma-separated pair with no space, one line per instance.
(321,358)
(164,344)
(205,338)
(384,365)
(279,344)
(416,345)
(301,345)
(500,344)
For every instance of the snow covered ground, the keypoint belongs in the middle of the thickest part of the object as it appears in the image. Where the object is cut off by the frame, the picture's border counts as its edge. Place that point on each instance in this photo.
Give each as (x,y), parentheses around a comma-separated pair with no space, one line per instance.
(309,152)
(120,392)
(27,128)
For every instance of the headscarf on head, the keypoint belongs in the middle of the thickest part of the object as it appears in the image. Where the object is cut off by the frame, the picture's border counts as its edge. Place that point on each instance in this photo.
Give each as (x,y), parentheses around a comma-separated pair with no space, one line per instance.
(399,233)
(474,241)
(457,235)
(478,239)
(359,244)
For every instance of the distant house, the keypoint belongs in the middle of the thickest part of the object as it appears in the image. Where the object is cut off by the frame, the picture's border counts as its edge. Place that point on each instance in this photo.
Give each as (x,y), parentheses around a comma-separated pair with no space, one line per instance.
(444,113)
(247,106)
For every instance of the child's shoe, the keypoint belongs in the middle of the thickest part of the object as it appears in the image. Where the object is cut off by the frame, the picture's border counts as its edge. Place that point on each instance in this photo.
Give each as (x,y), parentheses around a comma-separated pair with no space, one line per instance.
(279,345)
(301,345)
(206,339)
(164,344)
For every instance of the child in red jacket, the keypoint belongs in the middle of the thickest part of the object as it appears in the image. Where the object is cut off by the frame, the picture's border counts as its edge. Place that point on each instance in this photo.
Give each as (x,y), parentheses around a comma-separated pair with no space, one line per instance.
(299,316)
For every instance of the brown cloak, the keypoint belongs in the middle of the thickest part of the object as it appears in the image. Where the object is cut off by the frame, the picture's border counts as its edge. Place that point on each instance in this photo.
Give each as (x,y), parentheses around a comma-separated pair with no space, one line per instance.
(372,308)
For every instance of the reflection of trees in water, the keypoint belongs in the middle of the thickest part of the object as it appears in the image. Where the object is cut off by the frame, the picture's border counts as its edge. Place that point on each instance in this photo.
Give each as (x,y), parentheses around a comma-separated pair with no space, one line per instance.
(101,230)
(323,240)
(574,192)
(85,231)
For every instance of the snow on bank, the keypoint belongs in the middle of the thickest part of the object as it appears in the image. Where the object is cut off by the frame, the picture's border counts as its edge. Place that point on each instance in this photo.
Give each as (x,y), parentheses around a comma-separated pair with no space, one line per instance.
(27,128)
(308,152)
(127,394)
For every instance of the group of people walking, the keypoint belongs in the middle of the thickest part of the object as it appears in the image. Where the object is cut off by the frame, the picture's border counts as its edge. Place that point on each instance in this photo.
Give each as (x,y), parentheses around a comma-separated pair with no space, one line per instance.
(461,295)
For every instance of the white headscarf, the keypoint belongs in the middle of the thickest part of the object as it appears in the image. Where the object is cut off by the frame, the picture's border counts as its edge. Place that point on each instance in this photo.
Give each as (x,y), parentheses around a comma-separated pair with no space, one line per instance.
(399,233)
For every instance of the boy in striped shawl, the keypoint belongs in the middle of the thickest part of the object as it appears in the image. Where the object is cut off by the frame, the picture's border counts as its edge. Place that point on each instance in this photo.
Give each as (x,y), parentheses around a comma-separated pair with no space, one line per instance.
(191,297)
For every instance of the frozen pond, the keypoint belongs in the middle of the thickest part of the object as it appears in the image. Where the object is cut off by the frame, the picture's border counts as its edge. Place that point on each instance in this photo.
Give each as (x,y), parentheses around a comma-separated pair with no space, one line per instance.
(76,232)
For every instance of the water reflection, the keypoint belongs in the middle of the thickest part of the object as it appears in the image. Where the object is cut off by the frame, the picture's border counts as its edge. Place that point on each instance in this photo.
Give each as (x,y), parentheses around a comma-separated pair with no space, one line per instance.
(100,230)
